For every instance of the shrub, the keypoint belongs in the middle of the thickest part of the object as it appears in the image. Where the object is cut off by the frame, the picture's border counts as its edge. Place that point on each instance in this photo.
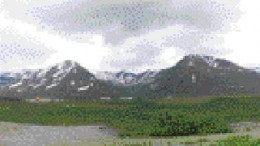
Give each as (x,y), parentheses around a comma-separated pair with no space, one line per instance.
(181,124)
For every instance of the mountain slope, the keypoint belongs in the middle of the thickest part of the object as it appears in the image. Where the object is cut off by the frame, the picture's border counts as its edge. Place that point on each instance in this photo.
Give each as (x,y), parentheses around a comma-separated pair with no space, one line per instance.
(64,80)
(127,79)
(198,75)
(194,75)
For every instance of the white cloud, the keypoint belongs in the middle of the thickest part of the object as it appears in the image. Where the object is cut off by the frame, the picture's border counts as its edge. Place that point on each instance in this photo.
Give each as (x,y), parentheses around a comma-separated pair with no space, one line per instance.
(157,46)
(244,39)
(54,48)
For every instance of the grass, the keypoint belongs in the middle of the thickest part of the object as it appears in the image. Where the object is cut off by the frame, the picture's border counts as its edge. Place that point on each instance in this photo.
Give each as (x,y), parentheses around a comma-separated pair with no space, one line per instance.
(229,141)
(239,141)
(141,117)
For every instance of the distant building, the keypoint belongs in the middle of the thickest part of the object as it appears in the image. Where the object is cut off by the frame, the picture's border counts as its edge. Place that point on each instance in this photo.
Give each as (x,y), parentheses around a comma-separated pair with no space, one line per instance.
(126,98)
(105,98)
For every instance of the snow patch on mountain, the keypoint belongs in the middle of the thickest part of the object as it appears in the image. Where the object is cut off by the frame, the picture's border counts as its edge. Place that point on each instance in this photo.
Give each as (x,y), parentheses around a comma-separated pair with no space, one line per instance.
(127,79)
(210,60)
(72,82)
(83,88)
(42,77)
(51,86)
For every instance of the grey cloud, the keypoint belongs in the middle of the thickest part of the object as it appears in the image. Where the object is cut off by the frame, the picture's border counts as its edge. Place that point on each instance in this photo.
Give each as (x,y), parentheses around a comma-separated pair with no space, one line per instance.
(118,21)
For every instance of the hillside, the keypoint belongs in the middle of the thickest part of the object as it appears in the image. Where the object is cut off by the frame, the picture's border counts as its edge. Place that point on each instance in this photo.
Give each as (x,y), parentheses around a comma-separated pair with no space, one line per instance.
(194,75)
(197,75)
(64,80)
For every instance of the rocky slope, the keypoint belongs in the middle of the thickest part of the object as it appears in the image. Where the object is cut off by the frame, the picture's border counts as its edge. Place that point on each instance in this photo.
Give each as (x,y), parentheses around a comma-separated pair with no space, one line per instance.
(127,79)
(194,75)
(65,80)
(198,75)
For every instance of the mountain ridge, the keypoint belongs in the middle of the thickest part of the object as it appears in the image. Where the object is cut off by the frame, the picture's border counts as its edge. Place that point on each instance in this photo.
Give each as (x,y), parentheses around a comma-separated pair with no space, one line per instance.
(194,75)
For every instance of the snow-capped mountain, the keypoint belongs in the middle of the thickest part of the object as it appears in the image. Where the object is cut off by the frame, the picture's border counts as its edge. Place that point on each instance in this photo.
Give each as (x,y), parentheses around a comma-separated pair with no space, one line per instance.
(194,75)
(7,78)
(199,75)
(42,77)
(67,79)
(209,62)
(127,79)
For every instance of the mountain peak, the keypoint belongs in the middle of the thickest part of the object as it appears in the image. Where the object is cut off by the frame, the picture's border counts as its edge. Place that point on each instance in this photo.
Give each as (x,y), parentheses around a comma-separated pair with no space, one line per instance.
(204,60)
(69,61)
(67,64)
(199,56)
(197,60)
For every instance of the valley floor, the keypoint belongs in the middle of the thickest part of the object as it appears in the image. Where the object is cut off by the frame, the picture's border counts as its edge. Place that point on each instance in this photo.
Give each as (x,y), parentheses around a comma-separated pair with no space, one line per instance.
(26,134)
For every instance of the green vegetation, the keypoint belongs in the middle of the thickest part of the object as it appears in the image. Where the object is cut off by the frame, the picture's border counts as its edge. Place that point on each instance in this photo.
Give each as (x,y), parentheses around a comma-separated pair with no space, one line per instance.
(239,141)
(141,117)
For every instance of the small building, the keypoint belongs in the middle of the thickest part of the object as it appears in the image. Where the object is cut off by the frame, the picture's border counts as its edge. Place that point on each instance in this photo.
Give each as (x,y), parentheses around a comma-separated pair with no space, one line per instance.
(105,98)
(126,98)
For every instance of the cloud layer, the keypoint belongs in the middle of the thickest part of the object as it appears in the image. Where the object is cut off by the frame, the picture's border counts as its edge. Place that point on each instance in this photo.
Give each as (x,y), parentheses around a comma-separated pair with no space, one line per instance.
(137,32)
(117,21)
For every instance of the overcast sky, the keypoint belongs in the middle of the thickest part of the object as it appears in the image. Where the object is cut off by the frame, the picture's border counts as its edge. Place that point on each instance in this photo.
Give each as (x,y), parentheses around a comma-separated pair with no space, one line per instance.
(132,35)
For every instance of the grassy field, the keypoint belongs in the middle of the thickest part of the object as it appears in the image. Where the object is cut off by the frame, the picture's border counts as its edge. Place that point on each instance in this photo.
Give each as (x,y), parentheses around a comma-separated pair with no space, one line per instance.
(141,117)
(244,140)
